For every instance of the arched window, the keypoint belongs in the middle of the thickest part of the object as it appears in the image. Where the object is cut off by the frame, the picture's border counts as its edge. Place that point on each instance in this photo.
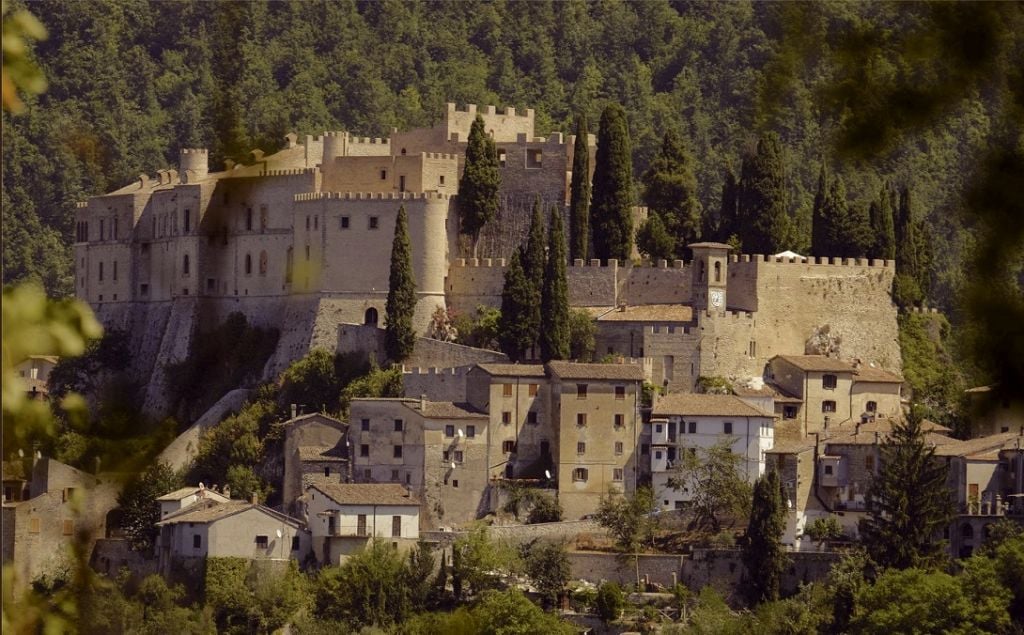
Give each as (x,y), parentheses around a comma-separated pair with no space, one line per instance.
(188,221)
(967,531)
(248,219)
(700,270)
(370,317)
(403,152)
(263,263)
(185,266)
(101,271)
(248,264)
(263,218)
(718,272)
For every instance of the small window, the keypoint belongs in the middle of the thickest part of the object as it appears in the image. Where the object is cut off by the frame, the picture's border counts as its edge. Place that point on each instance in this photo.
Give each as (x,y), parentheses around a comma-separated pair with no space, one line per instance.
(693,427)
(581,448)
(869,463)
(620,392)
(581,391)
(445,455)
(459,454)
(398,452)
(327,471)
(143,289)
(367,474)
(506,417)
(296,544)
(383,175)
(872,406)
(197,541)
(532,391)
(579,474)
(344,222)
(645,449)
(316,221)
(101,271)
(394,476)
(449,431)
(307,222)
(364,450)
(455,482)
(501,158)
(374,222)
(370,317)
(508,446)
(828,470)
(185,266)
(399,425)
(789,412)
(718,271)
(263,263)
(620,420)
(248,264)
(69,528)
(188,221)
(658,454)
(534,158)
(828,406)
(248,220)
(617,474)
(361,525)
(262,542)
(364,425)
(618,447)
(506,390)
(396,526)
(581,419)
(531,416)
(727,427)
(470,432)
(828,382)
(440,180)
(401,183)
(658,428)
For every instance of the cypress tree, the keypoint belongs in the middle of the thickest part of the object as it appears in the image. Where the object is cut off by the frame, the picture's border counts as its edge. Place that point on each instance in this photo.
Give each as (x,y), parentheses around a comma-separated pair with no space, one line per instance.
(517,303)
(728,216)
(819,223)
(913,252)
(847,232)
(533,257)
(883,226)
(478,188)
(554,328)
(908,502)
(765,222)
(671,192)
(399,336)
(579,202)
(611,218)
(763,554)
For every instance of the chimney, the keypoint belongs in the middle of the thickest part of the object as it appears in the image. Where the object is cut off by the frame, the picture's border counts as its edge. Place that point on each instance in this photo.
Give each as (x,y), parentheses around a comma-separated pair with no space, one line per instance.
(423,402)
(622,307)
(294,410)
(227,492)
(255,500)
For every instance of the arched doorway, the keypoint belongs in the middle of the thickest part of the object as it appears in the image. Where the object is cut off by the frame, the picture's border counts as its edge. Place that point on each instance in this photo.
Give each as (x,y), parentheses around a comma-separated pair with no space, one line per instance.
(370,318)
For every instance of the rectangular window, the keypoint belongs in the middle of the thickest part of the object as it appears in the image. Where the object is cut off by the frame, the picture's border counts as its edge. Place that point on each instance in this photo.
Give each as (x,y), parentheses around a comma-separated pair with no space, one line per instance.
(828,382)
(445,455)
(618,447)
(449,431)
(828,406)
(396,526)
(364,450)
(295,543)
(789,412)
(581,419)
(367,475)
(33,526)
(250,221)
(197,541)
(383,175)
(398,425)
(617,474)
(534,158)
(693,427)
(344,222)
(398,452)
(620,420)
(327,471)
(361,525)
(532,391)
(440,180)
(365,425)
(470,432)
(455,482)
(872,406)
(581,391)
(752,350)
(506,390)
(508,446)
(506,417)
(869,463)
(501,158)
(262,542)
(101,271)
(69,528)
(620,392)
(727,427)
(579,474)
(531,416)
(828,470)
(581,448)
(394,476)
(374,222)
(458,456)
(401,183)
(115,271)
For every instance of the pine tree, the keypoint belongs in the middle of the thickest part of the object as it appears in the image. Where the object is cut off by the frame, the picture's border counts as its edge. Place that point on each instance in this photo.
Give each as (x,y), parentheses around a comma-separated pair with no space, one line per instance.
(478,188)
(883,226)
(763,554)
(728,216)
(908,502)
(819,223)
(554,327)
(399,335)
(579,201)
(764,217)
(517,305)
(671,193)
(611,218)
(653,240)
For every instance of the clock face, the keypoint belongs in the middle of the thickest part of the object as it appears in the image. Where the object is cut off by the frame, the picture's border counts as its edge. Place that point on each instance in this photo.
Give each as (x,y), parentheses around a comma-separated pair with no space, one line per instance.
(716,298)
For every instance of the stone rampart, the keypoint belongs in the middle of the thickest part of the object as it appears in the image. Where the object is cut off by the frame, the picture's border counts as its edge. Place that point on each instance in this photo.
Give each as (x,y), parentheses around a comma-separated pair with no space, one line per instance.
(663,569)
(439,384)
(565,531)
(662,282)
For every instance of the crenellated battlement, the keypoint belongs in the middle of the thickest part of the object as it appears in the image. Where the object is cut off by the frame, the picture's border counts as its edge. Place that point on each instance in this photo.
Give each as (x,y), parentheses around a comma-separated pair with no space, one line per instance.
(922,310)
(196,151)
(370,196)
(657,329)
(473,109)
(499,263)
(440,155)
(813,260)
(290,172)
(82,204)
(455,371)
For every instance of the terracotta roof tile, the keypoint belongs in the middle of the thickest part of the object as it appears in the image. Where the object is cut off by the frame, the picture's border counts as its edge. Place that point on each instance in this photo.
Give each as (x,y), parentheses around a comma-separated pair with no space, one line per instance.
(817,363)
(366,493)
(700,405)
(321,453)
(644,313)
(449,410)
(572,370)
(513,370)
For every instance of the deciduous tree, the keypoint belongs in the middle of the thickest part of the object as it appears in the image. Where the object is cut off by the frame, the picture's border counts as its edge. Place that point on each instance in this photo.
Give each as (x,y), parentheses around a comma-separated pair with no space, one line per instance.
(718,488)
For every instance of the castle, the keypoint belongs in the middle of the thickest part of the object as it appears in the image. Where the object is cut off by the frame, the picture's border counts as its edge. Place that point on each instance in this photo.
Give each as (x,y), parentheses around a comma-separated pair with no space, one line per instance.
(300,240)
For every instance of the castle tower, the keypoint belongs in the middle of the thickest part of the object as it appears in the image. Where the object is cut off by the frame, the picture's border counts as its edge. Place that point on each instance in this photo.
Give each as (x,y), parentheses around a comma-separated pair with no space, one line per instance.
(710,263)
(334,146)
(195,159)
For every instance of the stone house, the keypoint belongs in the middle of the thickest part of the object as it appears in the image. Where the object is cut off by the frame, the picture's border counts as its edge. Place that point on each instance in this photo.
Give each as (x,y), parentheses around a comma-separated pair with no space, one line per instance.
(35,373)
(181,498)
(795,461)
(14,482)
(990,416)
(232,529)
(315,447)
(343,517)
(689,422)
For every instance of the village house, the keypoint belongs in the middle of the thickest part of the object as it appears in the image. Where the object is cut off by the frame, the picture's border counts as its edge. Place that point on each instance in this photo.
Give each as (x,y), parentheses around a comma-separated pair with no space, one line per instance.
(187,496)
(315,447)
(343,517)
(993,416)
(35,373)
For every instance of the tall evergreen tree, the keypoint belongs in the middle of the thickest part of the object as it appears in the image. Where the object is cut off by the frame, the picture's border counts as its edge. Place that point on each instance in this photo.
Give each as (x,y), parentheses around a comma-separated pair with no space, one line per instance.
(763,211)
(399,335)
(728,216)
(533,257)
(763,554)
(653,240)
(883,226)
(913,254)
(478,189)
(579,188)
(516,334)
(908,502)
(554,327)
(671,192)
(611,217)
(847,231)
(819,223)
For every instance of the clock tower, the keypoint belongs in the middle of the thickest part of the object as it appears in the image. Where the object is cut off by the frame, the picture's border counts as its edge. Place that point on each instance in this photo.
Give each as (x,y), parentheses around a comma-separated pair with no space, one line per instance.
(710,263)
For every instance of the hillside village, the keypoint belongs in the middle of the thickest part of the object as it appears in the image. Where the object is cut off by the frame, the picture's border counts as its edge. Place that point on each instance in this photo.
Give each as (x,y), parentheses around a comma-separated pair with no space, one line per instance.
(792,363)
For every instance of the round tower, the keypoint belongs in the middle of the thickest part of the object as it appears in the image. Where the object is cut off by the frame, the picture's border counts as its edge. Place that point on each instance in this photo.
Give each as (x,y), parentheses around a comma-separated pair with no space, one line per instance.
(429,237)
(334,146)
(195,159)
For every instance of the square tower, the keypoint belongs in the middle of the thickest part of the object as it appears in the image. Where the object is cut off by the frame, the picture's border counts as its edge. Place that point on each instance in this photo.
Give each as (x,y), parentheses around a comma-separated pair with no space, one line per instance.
(710,261)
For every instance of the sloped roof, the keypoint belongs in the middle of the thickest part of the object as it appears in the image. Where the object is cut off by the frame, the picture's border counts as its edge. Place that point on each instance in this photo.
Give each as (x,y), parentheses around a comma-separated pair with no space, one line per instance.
(448,410)
(817,363)
(699,405)
(876,375)
(321,453)
(983,444)
(710,244)
(644,313)
(572,370)
(791,446)
(366,493)
(183,492)
(314,415)
(513,370)
(210,511)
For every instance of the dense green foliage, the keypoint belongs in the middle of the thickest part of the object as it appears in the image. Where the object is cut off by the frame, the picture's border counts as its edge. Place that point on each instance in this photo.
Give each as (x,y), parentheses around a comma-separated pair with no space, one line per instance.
(582,335)
(139,506)
(369,589)
(478,188)
(609,602)
(252,597)
(913,253)
(908,502)
(719,489)
(475,561)
(534,255)
(766,224)
(611,219)
(763,554)
(882,221)
(630,519)
(480,328)
(930,369)
(516,330)
(579,194)
(554,336)
(653,240)
(547,564)
(670,193)
(399,334)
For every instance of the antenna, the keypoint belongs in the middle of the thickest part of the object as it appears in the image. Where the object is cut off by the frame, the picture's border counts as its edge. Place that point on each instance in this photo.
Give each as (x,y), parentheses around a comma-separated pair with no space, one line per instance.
(460,434)
(547,474)
(453,465)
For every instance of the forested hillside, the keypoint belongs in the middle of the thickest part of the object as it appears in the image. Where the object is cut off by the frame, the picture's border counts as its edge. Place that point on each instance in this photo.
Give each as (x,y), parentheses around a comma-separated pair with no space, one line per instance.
(131,82)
